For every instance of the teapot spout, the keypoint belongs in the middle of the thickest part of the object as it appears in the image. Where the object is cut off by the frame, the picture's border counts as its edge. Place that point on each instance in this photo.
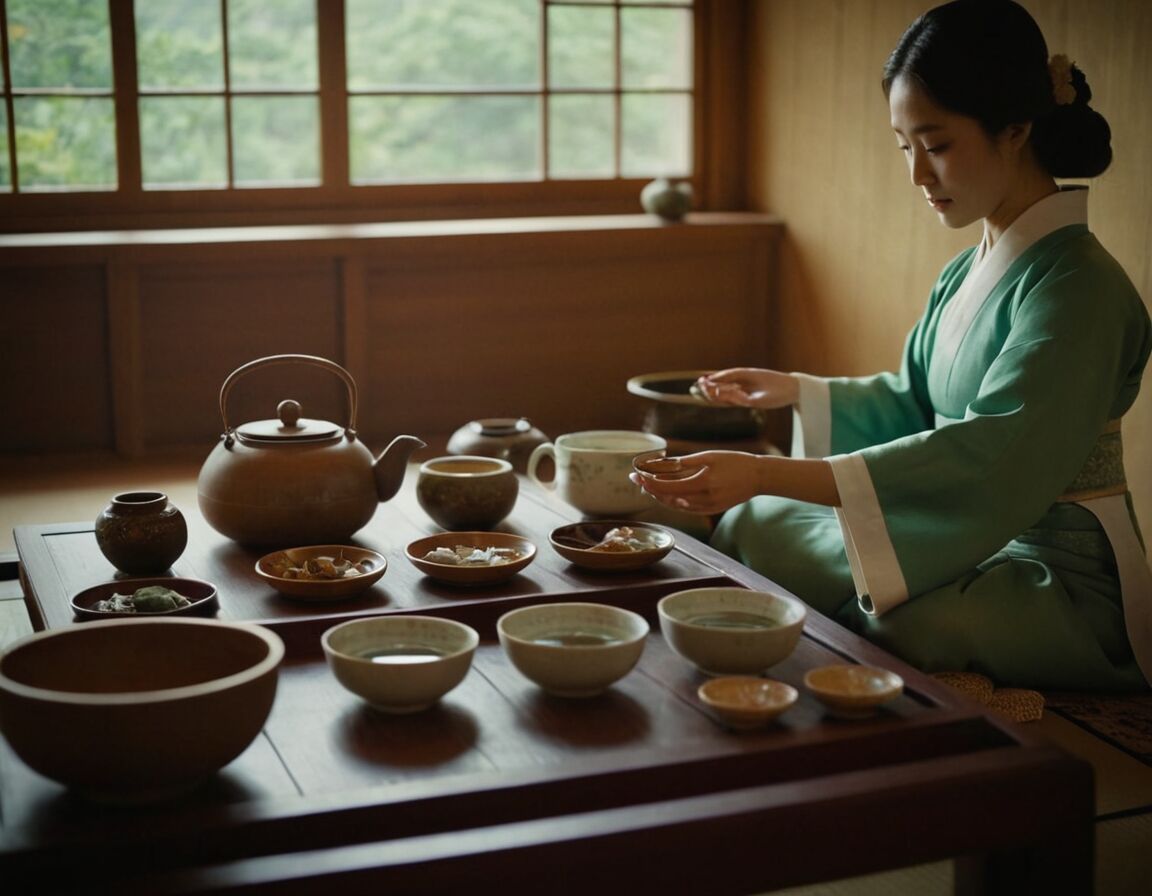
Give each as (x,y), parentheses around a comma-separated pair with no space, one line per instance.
(390,466)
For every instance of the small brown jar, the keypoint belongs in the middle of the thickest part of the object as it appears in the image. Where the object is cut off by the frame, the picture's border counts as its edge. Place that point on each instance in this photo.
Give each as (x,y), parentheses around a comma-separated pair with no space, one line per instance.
(141,532)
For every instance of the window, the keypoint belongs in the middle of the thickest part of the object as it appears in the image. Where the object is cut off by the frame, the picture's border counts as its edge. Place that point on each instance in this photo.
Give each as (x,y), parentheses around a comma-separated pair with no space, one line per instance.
(59,116)
(189,107)
(228,93)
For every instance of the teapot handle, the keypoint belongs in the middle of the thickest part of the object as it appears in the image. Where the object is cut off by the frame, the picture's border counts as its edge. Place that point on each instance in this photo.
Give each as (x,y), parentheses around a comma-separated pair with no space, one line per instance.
(271,360)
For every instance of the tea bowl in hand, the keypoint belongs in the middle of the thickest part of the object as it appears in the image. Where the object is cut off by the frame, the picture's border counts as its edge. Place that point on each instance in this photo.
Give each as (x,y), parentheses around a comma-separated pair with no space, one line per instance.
(132,711)
(400,664)
(467,492)
(731,631)
(573,649)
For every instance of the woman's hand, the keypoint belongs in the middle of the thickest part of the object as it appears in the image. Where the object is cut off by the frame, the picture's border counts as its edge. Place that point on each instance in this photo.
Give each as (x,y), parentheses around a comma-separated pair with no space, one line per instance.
(749,387)
(710,482)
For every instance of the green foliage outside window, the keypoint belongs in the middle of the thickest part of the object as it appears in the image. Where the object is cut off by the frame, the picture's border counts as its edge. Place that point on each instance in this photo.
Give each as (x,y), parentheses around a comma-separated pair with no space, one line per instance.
(437,91)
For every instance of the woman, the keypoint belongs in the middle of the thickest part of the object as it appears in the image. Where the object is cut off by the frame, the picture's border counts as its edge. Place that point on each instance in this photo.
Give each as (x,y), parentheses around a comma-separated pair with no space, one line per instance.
(970,511)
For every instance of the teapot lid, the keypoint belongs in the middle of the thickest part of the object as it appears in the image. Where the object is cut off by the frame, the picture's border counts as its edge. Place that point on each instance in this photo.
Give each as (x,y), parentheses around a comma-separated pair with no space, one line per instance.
(289,427)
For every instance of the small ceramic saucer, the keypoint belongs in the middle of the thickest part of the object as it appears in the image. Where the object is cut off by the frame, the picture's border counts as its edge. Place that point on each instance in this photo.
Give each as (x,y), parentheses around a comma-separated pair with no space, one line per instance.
(744,702)
(853,692)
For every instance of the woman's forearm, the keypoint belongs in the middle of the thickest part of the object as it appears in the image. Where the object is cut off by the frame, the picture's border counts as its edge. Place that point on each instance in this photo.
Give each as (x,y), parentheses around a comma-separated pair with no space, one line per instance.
(802,479)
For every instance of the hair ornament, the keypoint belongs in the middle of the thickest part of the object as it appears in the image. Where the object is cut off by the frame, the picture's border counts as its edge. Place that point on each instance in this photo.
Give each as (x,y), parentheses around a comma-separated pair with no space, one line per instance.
(1060,70)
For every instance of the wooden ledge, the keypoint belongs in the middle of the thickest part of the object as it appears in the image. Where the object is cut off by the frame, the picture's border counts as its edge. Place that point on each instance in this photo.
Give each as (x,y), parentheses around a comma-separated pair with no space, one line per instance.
(200,236)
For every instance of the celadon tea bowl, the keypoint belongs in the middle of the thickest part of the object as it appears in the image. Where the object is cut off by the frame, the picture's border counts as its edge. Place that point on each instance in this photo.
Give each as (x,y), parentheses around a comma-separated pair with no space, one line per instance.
(573,649)
(731,631)
(400,664)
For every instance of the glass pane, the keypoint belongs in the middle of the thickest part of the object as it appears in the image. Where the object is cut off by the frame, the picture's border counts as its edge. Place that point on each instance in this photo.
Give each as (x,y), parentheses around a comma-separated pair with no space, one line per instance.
(581,47)
(444,138)
(580,130)
(272,43)
(656,48)
(276,140)
(449,43)
(656,135)
(59,43)
(65,142)
(182,142)
(179,43)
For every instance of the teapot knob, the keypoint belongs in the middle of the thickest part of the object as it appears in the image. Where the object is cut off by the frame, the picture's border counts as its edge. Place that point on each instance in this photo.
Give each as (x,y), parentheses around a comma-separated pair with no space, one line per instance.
(289,412)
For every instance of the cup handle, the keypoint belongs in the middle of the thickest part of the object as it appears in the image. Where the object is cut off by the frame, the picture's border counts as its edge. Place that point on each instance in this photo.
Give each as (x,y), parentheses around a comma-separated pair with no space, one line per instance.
(540,452)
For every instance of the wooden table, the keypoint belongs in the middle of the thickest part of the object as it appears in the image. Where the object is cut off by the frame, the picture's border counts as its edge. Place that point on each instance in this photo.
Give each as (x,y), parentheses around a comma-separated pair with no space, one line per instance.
(501,787)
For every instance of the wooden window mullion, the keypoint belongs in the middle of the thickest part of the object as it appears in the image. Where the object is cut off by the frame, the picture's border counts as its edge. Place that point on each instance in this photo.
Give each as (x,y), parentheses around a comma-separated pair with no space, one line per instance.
(333,96)
(9,106)
(126,87)
(228,141)
(545,94)
(618,92)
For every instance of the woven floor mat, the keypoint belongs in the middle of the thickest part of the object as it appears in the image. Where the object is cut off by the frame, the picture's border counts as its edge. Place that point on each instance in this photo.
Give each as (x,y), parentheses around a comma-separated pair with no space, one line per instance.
(1123,720)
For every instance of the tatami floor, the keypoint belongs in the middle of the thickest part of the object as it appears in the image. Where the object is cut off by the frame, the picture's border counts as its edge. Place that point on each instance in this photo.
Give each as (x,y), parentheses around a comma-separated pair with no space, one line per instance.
(40,490)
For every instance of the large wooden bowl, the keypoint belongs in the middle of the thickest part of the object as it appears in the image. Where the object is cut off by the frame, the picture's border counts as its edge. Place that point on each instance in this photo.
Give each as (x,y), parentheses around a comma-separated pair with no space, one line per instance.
(137,710)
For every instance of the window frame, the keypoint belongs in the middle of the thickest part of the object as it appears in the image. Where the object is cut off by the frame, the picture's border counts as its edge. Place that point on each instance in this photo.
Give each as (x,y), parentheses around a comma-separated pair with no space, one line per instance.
(717,146)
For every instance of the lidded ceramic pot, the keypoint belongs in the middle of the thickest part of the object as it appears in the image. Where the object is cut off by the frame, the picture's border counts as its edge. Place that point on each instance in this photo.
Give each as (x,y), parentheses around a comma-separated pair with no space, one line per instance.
(141,533)
(507,438)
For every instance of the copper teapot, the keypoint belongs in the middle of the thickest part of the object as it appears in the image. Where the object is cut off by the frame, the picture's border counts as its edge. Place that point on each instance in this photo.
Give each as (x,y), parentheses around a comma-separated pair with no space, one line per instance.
(294,481)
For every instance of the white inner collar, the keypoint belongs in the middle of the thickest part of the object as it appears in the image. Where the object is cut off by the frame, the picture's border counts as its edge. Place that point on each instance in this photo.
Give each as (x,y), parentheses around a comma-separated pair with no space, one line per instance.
(1068,205)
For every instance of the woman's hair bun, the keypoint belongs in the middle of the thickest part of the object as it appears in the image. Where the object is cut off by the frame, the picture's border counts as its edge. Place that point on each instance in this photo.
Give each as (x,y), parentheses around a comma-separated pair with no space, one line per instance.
(1073,140)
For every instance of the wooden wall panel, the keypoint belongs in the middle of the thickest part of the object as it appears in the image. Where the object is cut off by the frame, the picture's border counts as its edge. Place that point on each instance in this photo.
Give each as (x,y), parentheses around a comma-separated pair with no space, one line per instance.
(55,389)
(438,324)
(199,322)
(553,338)
(861,248)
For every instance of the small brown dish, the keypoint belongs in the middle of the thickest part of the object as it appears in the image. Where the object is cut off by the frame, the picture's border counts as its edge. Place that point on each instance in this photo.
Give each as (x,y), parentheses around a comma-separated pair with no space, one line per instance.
(200,595)
(577,543)
(853,692)
(744,702)
(472,574)
(271,568)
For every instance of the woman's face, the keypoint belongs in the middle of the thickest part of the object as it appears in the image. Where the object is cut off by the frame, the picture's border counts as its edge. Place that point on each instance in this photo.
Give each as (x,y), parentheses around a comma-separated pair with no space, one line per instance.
(965,175)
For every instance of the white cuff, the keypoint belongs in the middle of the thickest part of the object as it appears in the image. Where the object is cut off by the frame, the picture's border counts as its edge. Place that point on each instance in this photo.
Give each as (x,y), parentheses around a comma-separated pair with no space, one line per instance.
(876,572)
(812,418)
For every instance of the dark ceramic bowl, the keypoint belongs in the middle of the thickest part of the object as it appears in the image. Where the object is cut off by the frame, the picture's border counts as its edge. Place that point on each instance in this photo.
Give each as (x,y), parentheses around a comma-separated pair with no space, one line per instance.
(137,710)
(677,413)
(467,492)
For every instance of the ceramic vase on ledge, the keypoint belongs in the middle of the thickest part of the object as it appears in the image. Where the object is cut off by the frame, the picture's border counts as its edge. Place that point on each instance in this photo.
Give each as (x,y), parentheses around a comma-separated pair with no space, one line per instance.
(666,199)
(141,533)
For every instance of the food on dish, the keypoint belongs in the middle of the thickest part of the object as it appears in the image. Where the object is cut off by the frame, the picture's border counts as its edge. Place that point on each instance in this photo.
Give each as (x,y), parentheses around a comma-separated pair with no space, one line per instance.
(150,599)
(317,567)
(624,539)
(468,555)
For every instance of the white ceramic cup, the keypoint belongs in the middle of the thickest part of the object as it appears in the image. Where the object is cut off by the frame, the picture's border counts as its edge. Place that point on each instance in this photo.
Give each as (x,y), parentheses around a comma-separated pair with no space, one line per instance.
(592,470)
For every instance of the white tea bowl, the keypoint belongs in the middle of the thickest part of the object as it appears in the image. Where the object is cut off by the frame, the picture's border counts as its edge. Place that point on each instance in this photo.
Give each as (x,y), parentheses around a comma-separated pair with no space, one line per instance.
(731,631)
(573,649)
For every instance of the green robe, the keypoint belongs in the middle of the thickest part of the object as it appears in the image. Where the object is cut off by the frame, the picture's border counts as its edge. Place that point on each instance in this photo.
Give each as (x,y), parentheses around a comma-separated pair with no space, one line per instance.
(951,548)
